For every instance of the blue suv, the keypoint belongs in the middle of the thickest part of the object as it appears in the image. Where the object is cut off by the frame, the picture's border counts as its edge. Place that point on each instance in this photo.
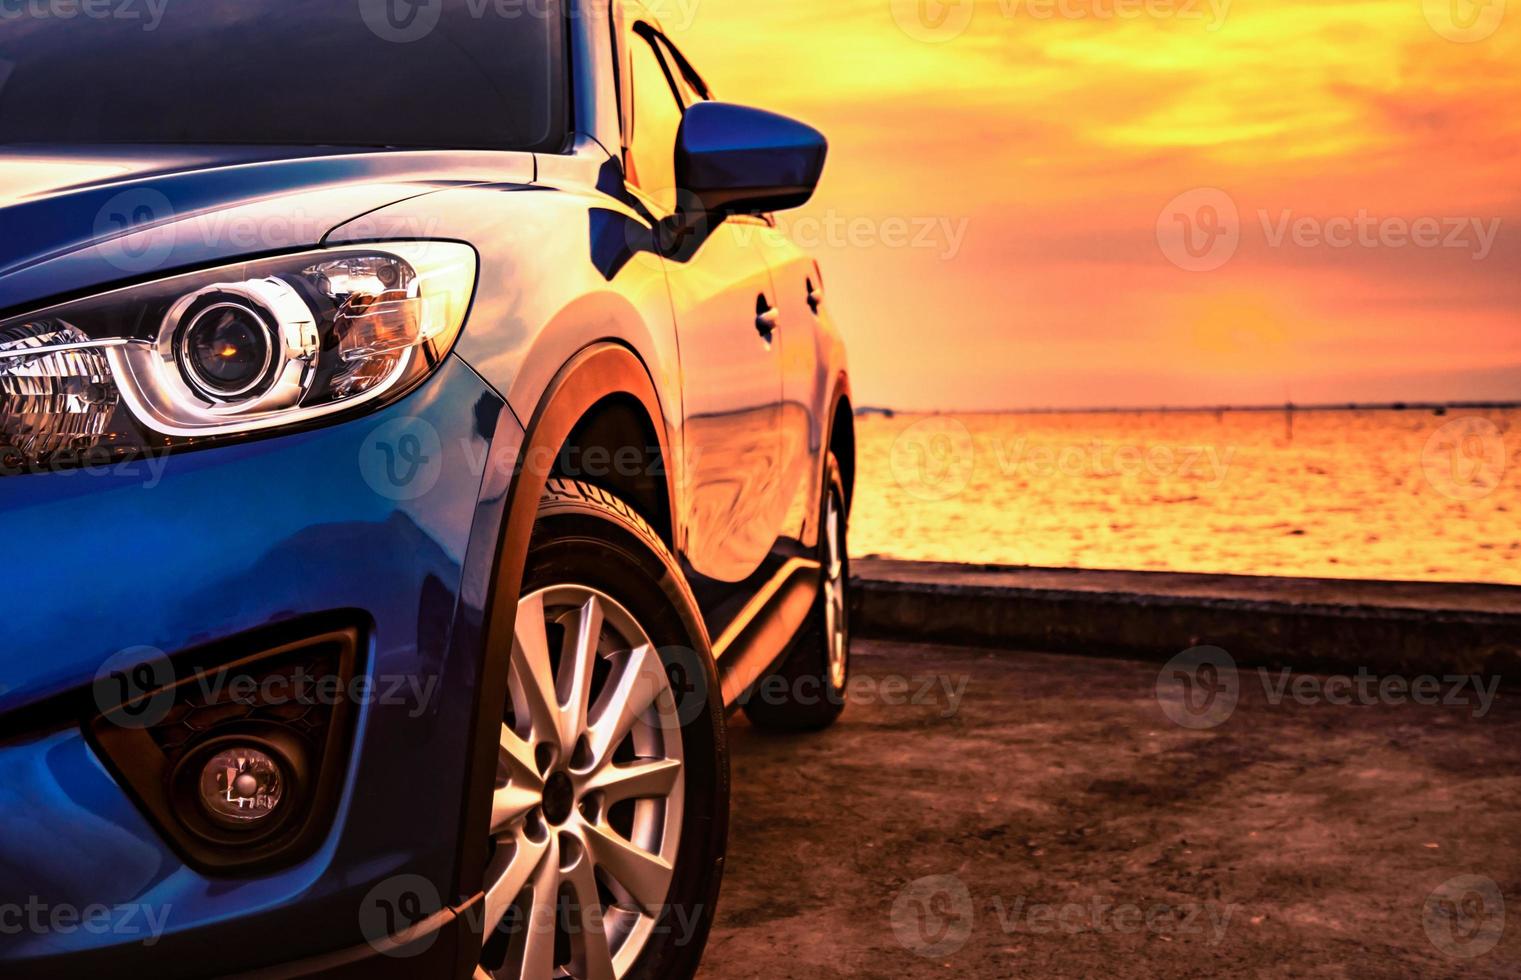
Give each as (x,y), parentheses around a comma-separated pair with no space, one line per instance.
(416,438)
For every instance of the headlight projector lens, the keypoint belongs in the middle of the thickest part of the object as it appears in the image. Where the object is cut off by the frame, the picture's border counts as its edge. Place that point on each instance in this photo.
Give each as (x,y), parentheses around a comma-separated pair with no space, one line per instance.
(226,351)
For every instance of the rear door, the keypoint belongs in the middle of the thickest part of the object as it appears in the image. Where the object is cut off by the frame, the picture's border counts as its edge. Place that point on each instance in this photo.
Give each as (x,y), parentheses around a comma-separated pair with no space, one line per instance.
(730,358)
(803,416)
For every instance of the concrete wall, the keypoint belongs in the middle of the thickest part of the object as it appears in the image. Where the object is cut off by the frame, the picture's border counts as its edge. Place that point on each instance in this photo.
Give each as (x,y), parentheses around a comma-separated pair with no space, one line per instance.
(1306,624)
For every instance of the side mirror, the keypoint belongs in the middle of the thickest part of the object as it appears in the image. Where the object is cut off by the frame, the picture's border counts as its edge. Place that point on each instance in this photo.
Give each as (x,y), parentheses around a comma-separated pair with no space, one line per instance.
(738,160)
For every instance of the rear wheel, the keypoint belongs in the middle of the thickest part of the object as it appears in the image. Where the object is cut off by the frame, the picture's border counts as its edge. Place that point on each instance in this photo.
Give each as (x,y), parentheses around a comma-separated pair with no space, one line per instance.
(610,809)
(807,692)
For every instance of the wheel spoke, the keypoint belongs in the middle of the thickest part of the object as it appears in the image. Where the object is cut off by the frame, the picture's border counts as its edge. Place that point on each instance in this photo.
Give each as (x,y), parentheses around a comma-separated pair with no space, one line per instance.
(836,565)
(577,667)
(509,804)
(646,877)
(539,947)
(538,955)
(649,779)
(527,858)
(516,762)
(637,686)
(531,956)
(533,680)
(592,959)
(835,597)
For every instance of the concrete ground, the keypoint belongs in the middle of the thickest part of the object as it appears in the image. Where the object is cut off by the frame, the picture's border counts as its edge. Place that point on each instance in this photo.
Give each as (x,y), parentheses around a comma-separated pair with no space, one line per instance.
(977,814)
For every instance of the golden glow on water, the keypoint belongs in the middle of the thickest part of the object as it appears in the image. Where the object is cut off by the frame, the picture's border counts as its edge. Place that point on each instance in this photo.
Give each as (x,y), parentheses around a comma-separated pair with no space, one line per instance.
(1366,494)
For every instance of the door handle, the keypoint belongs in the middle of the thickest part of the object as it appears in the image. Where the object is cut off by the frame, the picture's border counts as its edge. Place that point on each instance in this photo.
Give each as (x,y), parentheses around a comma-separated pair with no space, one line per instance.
(815,297)
(767,317)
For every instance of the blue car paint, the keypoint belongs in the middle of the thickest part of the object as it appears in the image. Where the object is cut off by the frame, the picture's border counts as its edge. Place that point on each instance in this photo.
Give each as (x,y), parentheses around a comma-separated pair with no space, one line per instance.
(723,149)
(230,540)
(265,531)
(223,204)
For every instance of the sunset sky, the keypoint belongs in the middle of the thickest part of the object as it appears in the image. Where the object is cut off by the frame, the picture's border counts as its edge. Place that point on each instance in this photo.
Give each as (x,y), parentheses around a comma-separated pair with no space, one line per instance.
(1002,223)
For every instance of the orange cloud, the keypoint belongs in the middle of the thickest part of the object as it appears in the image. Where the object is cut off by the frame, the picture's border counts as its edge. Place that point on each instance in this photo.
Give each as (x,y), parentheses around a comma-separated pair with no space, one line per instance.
(1035,143)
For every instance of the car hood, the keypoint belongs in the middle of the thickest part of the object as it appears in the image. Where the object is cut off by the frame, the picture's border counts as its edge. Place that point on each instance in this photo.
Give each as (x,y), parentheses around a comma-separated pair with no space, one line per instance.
(78,218)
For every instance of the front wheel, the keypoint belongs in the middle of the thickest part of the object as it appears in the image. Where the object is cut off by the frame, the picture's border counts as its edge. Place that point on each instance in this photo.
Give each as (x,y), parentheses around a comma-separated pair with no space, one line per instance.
(609,815)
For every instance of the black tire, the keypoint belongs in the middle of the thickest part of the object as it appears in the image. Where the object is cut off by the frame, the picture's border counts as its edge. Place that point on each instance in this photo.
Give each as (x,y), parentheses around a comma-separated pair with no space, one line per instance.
(587,537)
(802,694)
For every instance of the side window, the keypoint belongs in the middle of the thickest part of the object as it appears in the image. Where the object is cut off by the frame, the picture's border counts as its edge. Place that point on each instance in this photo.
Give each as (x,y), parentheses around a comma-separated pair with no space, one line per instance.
(657,117)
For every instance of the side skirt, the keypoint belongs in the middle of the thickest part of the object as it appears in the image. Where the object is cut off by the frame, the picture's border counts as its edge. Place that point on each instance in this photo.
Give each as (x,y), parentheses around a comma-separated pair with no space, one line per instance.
(762,634)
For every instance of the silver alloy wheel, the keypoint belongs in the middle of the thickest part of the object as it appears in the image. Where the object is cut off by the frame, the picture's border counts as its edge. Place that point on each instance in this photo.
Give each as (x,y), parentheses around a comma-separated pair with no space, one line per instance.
(835,594)
(587,814)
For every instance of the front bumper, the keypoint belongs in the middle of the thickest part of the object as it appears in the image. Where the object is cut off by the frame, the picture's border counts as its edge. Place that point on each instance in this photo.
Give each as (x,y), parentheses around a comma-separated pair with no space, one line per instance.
(392,518)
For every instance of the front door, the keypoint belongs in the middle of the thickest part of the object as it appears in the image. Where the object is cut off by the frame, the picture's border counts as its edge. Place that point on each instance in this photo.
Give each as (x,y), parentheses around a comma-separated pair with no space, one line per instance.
(730,358)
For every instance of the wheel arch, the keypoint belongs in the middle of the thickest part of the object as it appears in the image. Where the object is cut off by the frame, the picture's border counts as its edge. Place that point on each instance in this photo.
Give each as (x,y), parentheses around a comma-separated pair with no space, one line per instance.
(602,389)
(840,439)
(617,447)
(600,406)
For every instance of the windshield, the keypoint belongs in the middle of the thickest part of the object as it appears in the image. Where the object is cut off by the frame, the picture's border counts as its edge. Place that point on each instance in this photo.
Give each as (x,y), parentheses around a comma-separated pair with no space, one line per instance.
(451,74)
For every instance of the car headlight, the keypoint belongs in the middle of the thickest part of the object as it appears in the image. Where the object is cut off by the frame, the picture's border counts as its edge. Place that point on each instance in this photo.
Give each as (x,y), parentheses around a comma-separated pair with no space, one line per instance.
(204,357)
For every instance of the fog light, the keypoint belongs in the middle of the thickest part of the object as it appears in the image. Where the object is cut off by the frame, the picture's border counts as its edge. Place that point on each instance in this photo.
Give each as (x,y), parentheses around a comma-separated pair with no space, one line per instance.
(242,786)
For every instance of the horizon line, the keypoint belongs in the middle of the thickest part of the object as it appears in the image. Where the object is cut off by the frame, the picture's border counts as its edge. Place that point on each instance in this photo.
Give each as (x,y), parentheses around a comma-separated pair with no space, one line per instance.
(1392,406)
